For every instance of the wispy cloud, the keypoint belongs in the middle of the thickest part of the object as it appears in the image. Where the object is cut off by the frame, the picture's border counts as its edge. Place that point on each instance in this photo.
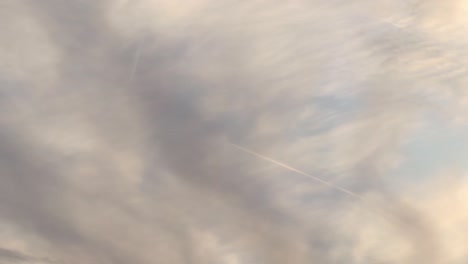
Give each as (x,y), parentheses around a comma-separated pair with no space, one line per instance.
(115,117)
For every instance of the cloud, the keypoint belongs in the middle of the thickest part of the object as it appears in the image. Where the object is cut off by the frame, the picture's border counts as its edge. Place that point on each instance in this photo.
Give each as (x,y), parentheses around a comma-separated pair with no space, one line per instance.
(13,256)
(105,160)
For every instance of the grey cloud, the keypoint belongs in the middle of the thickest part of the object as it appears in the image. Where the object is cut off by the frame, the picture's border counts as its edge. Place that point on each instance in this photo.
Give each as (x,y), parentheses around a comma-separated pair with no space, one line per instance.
(13,256)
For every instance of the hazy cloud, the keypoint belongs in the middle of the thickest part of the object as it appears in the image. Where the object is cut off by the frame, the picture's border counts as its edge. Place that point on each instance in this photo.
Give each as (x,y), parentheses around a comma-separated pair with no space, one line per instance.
(116,118)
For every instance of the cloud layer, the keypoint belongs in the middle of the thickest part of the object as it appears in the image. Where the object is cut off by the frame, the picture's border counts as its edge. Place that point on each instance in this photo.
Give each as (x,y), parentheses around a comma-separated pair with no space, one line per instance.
(117,118)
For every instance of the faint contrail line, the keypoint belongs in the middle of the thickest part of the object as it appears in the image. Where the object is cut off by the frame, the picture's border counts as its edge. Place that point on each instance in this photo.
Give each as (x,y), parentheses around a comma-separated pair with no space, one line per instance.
(136,60)
(385,213)
(285,166)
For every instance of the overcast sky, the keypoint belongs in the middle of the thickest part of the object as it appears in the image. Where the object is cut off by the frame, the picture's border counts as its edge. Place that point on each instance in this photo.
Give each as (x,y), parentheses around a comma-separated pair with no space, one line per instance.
(236,132)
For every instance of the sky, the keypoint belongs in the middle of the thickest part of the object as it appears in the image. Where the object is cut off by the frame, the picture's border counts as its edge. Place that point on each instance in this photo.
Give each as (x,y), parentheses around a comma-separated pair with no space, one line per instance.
(233,132)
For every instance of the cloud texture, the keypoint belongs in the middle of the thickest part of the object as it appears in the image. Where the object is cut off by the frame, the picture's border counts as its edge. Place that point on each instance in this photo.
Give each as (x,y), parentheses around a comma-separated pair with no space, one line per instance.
(117,118)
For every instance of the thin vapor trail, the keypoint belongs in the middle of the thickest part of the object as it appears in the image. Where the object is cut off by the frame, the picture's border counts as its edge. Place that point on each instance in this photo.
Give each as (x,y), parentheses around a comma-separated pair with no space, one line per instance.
(283,165)
(385,213)
(136,60)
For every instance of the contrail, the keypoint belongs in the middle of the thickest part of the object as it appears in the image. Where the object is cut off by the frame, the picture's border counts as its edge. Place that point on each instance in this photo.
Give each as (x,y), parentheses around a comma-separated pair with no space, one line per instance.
(136,60)
(385,213)
(283,165)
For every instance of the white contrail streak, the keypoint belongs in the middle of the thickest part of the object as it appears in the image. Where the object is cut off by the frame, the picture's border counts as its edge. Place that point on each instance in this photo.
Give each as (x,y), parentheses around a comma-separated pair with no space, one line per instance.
(283,165)
(383,212)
